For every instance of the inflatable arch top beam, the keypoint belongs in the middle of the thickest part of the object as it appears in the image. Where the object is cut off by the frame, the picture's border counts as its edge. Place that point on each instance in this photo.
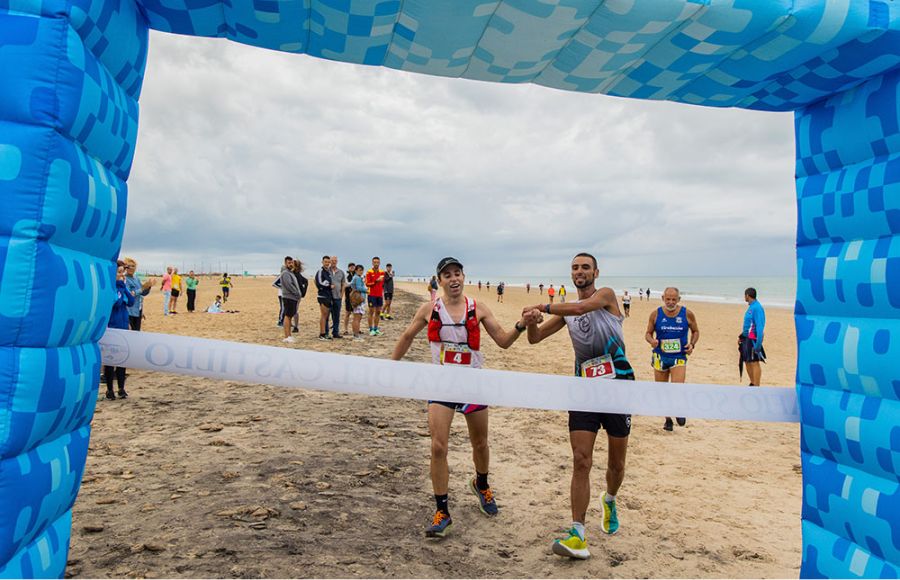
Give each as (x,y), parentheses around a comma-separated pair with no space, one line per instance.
(72,72)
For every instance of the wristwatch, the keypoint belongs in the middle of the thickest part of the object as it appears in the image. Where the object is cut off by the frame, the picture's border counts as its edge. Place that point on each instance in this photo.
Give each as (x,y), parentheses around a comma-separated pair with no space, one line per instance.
(518,328)
(547,308)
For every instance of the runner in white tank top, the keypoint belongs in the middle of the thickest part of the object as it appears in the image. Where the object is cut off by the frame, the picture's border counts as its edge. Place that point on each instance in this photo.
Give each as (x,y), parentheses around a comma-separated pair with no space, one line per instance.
(595,327)
(454,332)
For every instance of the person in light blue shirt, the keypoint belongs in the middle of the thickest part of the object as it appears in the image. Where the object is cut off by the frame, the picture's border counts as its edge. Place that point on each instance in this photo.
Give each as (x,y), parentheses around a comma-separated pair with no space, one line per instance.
(357,284)
(138,289)
(750,342)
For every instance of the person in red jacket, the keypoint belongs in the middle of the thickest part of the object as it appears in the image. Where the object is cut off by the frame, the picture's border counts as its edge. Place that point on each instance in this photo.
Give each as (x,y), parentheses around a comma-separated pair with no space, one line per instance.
(375,284)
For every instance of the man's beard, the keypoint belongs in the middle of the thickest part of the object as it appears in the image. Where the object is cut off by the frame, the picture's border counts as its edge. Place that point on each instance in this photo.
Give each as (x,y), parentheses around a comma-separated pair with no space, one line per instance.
(585,284)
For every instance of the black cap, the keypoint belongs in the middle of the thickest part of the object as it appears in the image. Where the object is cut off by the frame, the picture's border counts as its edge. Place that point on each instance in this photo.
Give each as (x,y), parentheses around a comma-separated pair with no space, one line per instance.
(448,261)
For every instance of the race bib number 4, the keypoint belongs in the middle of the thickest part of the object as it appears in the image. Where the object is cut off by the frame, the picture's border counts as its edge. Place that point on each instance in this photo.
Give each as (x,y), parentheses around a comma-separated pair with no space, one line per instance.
(671,345)
(456,354)
(598,368)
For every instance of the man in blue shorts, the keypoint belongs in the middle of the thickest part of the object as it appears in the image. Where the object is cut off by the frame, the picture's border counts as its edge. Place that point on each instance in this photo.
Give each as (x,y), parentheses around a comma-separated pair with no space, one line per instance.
(667,333)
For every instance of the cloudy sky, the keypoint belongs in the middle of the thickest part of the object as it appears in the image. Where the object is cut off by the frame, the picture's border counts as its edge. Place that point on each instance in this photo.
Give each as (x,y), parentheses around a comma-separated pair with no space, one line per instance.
(245,155)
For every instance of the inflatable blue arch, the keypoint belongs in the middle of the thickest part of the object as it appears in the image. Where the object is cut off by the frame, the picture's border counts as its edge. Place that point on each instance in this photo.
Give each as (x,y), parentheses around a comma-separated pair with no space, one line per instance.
(71,77)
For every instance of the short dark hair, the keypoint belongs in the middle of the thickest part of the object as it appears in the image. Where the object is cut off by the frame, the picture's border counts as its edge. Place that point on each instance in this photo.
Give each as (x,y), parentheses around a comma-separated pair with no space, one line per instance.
(351,265)
(326,257)
(376,258)
(586,255)
(751,292)
(286,258)
(389,265)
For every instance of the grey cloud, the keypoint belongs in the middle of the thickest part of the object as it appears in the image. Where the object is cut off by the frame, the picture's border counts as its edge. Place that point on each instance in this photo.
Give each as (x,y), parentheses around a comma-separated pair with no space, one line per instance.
(247,155)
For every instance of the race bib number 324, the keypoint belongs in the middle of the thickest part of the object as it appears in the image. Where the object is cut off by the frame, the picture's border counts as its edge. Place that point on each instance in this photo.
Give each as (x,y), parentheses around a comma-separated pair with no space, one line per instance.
(456,354)
(598,368)
(671,345)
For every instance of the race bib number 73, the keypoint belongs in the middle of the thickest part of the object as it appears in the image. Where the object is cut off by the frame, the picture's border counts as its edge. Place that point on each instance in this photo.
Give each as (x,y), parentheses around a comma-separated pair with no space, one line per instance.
(455,354)
(598,368)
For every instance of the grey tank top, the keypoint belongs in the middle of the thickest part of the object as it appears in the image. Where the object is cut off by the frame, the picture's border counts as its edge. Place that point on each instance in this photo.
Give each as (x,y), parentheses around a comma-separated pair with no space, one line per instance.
(594,334)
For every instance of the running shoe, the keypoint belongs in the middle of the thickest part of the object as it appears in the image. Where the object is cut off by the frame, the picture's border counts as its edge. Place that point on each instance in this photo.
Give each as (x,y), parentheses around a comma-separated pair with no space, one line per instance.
(377,332)
(488,505)
(572,546)
(110,395)
(682,421)
(382,316)
(372,332)
(288,339)
(440,525)
(322,337)
(390,316)
(337,336)
(669,425)
(123,394)
(610,522)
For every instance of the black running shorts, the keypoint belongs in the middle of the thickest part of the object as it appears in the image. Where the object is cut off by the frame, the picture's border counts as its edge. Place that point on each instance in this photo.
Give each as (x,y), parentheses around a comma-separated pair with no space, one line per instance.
(290,307)
(616,425)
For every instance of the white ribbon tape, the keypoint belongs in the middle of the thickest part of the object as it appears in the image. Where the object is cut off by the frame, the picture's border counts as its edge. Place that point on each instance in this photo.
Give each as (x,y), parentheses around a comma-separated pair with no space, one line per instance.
(289,367)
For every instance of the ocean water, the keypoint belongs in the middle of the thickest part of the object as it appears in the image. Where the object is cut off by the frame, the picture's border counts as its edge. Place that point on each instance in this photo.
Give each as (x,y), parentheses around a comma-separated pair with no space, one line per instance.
(778,291)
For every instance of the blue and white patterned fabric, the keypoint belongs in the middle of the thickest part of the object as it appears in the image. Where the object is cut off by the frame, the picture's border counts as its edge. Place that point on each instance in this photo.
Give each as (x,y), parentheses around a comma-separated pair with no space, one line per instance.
(72,75)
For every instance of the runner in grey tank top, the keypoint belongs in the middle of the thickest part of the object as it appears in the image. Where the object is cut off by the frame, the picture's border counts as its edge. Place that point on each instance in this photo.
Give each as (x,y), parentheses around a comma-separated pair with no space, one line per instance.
(595,334)
(595,327)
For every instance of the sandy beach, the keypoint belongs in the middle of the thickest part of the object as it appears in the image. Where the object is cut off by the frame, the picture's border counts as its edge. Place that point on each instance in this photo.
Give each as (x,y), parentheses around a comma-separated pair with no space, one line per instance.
(199,478)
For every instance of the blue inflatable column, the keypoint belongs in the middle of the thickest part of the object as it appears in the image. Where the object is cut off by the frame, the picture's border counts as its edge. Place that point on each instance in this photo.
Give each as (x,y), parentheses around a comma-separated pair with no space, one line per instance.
(71,75)
(848,330)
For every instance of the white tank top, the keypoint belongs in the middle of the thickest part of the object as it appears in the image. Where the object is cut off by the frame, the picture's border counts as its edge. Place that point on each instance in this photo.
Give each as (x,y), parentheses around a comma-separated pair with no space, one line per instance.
(453,348)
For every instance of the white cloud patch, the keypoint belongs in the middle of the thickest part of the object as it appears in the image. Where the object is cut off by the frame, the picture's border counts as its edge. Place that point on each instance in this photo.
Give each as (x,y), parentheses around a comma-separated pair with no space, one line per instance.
(245,155)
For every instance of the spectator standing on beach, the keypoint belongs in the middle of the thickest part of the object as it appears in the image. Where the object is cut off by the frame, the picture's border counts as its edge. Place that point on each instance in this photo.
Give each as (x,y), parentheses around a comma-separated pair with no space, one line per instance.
(479,285)
(288,263)
(137,289)
(166,289)
(323,296)
(750,342)
(297,269)
(118,318)
(338,283)
(626,304)
(348,308)
(667,333)
(562,294)
(375,284)
(388,292)
(528,288)
(359,299)
(290,298)
(500,289)
(432,288)
(177,287)
(551,293)
(541,288)
(190,284)
(648,294)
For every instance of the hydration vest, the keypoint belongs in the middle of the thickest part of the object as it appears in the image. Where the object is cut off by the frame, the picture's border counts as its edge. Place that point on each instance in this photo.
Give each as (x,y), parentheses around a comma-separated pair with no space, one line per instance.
(473,331)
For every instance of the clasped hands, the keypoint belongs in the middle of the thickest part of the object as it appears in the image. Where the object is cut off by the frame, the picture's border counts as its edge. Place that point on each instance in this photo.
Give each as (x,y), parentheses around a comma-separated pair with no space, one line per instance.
(532,315)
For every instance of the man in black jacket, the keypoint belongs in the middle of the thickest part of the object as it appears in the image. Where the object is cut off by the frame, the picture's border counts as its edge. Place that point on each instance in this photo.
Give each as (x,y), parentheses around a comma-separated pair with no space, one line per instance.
(323,286)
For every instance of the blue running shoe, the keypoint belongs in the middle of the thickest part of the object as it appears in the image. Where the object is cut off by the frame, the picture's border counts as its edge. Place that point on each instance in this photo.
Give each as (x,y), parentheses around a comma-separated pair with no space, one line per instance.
(488,505)
(440,525)
(610,522)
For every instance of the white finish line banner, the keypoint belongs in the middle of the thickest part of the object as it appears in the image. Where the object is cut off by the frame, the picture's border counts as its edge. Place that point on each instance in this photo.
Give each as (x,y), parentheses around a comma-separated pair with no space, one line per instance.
(289,367)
